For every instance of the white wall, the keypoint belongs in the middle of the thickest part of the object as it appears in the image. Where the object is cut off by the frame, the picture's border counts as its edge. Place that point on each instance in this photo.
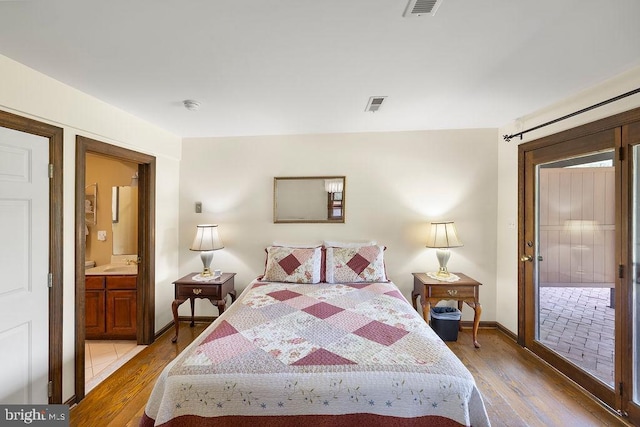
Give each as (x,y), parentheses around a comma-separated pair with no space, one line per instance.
(395,184)
(28,93)
(507,255)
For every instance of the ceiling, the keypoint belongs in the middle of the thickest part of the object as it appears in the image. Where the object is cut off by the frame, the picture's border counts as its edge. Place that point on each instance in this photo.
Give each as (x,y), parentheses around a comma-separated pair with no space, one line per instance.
(272,67)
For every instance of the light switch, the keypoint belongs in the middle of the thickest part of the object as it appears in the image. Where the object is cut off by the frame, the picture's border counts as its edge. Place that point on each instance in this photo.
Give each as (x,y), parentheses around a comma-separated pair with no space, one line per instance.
(102,235)
(198,207)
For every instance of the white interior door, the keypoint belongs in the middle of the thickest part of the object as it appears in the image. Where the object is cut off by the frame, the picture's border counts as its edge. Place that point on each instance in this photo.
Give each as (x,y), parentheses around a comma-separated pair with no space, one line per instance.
(24,263)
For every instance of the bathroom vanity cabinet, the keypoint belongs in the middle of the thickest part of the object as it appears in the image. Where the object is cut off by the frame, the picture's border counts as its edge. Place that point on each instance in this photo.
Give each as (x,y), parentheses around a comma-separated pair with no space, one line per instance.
(110,307)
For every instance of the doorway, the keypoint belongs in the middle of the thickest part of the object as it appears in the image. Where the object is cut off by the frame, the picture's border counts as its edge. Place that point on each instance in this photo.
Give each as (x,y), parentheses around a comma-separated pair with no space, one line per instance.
(144,293)
(578,239)
(111,216)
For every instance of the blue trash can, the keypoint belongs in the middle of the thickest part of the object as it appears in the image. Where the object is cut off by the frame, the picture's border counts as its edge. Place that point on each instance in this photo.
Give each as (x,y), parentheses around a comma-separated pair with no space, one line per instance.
(445,322)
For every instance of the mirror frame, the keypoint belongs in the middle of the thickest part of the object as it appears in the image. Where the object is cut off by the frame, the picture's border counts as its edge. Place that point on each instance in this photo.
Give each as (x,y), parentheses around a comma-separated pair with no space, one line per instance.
(276,220)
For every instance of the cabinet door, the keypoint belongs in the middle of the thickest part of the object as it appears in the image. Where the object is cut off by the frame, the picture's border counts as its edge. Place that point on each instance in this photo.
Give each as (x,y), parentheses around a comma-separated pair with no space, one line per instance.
(121,313)
(94,313)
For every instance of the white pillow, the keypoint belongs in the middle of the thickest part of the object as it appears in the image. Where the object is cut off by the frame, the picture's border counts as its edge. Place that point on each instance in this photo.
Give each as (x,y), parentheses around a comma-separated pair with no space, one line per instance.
(335,244)
(357,264)
(293,265)
(298,245)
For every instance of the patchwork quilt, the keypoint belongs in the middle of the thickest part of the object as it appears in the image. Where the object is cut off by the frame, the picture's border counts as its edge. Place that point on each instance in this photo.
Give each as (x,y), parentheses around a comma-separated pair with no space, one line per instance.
(288,354)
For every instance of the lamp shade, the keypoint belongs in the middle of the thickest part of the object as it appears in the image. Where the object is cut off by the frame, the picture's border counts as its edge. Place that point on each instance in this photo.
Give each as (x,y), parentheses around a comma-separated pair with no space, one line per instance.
(443,235)
(207,238)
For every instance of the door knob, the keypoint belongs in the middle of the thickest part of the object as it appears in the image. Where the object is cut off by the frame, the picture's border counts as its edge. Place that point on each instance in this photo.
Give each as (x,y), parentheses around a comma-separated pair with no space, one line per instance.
(525,258)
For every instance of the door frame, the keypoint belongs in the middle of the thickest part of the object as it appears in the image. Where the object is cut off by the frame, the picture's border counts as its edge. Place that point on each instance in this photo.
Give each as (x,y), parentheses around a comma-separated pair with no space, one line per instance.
(630,138)
(56,203)
(582,135)
(145,307)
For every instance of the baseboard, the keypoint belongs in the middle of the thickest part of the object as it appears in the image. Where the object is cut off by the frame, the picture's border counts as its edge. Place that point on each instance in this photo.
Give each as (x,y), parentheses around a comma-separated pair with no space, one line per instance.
(196,319)
(162,330)
(468,324)
(507,332)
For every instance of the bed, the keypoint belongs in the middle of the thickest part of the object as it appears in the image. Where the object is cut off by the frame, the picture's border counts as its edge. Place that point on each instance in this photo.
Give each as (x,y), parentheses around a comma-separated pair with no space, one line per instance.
(325,352)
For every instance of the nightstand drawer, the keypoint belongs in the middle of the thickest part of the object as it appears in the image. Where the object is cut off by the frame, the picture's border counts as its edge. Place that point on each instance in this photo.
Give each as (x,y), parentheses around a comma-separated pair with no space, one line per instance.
(199,291)
(452,292)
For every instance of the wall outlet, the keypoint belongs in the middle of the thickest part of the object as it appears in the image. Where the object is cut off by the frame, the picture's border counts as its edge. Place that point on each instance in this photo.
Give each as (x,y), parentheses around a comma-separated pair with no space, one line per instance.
(102,235)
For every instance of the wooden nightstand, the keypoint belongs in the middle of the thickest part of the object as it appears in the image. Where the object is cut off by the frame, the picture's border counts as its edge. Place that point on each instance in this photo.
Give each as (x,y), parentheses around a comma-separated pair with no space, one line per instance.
(431,291)
(215,291)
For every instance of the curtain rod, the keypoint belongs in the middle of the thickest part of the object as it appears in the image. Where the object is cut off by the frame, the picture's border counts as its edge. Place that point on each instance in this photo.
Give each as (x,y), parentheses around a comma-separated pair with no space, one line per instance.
(508,138)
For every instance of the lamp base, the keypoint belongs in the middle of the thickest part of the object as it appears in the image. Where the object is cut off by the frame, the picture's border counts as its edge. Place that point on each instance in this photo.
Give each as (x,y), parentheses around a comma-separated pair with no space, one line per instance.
(443,255)
(443,272)
(206,257)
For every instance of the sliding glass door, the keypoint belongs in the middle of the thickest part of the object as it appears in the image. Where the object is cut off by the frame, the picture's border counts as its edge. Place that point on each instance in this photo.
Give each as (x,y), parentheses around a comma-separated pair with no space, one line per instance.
(579,271)
(576,267)
(569,258)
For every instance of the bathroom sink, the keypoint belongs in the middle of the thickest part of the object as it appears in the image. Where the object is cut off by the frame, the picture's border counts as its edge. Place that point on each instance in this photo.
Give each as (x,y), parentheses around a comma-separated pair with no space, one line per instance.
(113,269)
(124,269)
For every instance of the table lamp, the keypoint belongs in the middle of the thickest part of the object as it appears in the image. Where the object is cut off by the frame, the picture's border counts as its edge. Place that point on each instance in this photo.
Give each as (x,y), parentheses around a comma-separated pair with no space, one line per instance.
(206,241)
(442,236)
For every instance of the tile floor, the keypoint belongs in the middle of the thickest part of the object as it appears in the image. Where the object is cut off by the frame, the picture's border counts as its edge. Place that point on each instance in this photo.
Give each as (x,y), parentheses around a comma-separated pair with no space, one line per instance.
(104,357)
(578,324)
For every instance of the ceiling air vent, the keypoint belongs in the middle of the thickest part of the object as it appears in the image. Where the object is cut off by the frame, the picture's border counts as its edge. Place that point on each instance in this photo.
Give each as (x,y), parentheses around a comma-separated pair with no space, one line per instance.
(374,104)
(421,7)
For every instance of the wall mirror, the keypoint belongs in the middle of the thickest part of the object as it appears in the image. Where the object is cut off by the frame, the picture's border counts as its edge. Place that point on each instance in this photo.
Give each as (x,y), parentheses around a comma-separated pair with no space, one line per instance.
(310,199)
(124,219)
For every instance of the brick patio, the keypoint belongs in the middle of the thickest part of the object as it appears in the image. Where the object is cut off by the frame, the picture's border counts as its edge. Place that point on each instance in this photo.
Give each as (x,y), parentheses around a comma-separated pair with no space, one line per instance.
(578,324)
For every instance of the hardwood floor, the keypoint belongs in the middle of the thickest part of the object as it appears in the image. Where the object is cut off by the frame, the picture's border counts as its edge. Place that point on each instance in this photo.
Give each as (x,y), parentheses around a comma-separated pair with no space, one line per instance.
(119,400)
(518,388)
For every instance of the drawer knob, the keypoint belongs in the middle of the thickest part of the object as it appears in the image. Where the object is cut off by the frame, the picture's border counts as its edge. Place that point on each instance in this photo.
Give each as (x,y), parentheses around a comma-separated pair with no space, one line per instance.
(452,292)
(197,291)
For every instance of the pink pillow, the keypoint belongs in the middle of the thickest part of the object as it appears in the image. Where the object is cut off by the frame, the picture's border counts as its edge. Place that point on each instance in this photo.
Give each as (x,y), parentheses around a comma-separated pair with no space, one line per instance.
(355,264)
(292,265)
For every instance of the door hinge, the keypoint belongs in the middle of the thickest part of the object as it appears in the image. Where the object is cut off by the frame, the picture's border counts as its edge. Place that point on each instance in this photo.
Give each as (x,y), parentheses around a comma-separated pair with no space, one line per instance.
(621,153)
(621,271)
(620,388)
(50,388)
(50,170)
(50,280)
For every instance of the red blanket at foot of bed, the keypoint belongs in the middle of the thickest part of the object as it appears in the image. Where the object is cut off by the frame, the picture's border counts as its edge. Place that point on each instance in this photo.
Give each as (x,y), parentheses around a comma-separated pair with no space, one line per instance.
(347,420)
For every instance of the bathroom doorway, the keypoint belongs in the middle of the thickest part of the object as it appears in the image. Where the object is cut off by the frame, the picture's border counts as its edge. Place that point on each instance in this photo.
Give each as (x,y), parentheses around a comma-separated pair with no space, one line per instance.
(97,225)
(111,254)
